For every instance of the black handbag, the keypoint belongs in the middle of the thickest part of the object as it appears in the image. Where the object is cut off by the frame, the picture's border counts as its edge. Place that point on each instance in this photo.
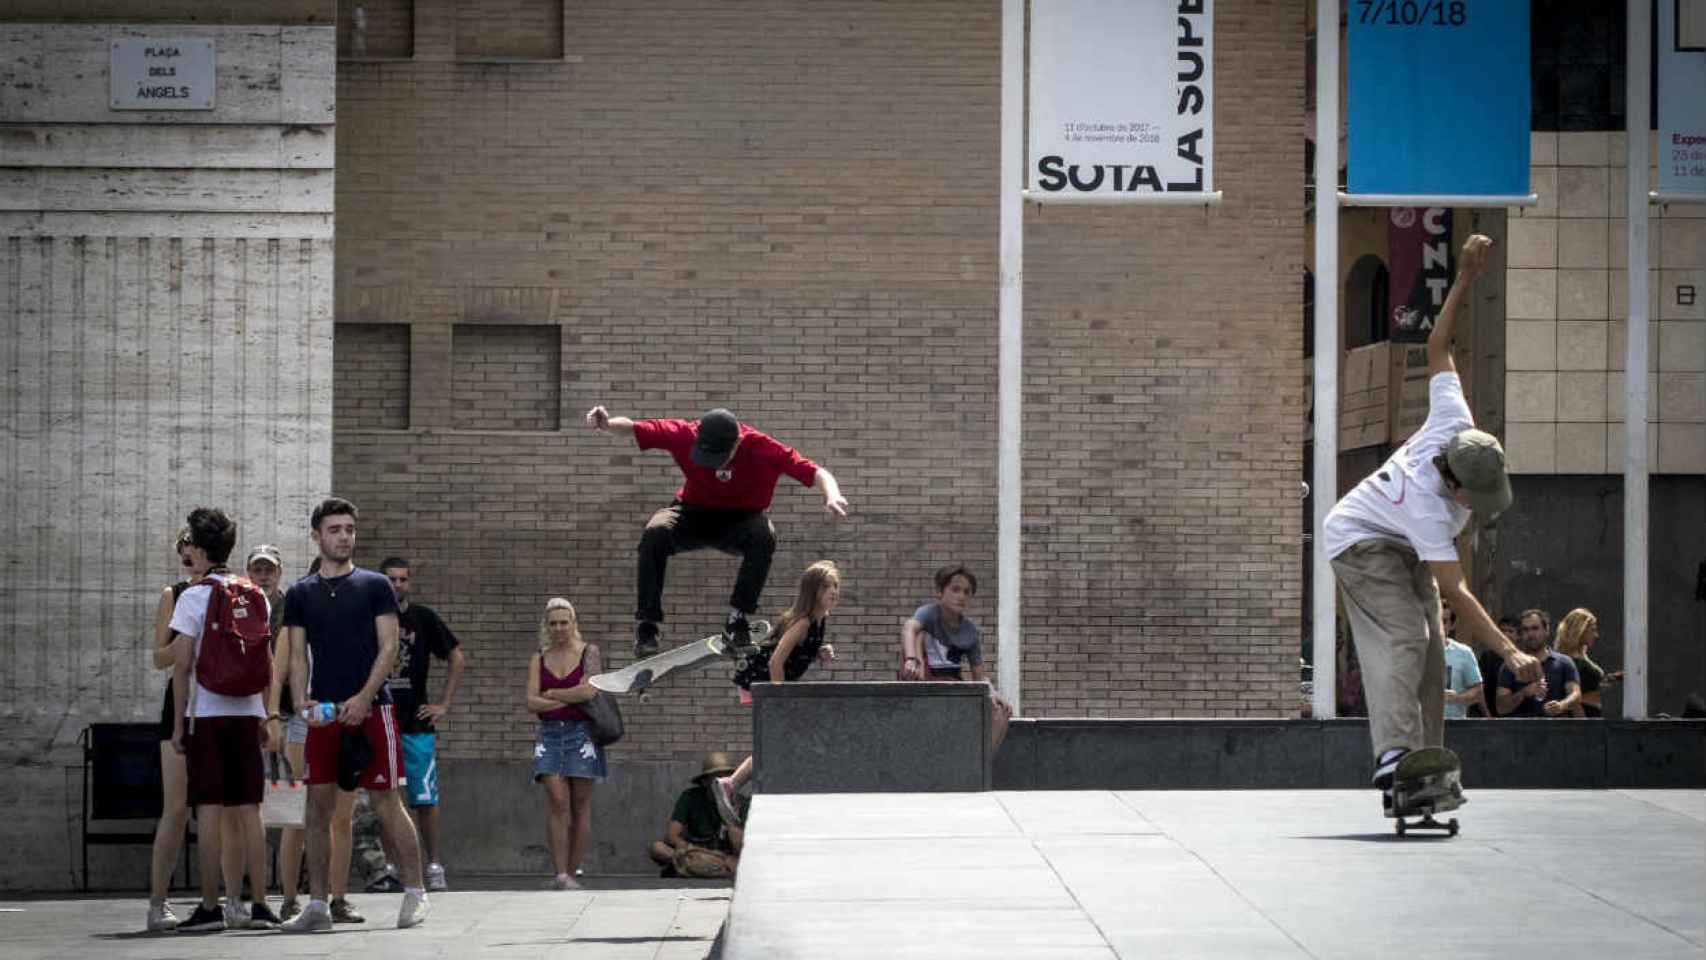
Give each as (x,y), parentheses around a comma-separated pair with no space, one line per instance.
(605,717)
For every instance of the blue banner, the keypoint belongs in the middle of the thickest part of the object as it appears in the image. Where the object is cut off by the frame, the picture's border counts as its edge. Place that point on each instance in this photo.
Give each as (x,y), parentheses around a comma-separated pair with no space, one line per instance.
(1436,97)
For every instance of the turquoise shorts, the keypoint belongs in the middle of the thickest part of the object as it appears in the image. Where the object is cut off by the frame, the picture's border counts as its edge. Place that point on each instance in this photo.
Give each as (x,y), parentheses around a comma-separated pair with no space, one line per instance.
(420,769)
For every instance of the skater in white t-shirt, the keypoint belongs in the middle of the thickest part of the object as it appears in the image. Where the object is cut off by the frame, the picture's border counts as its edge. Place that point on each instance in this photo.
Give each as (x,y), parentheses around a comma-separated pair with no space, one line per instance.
(1393,537)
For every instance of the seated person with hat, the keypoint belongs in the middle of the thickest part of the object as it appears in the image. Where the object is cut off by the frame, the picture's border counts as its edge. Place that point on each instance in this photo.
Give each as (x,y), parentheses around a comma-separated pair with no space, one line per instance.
(699,843)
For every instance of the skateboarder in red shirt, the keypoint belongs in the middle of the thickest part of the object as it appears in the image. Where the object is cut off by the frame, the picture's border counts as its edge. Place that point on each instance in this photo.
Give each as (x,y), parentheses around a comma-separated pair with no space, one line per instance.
(730,472)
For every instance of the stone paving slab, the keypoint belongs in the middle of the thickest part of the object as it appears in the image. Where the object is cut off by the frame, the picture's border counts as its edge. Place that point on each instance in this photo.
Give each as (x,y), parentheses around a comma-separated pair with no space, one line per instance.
(1287,874)
(662,924)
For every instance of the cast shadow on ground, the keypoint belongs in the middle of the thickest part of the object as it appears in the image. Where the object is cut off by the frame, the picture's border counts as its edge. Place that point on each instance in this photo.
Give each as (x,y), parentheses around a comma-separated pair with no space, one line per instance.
(211,934)
(1388,837)
(613,940)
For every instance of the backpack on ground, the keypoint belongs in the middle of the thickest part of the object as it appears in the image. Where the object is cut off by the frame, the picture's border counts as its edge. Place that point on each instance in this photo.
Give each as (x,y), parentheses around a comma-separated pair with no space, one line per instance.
(235,659)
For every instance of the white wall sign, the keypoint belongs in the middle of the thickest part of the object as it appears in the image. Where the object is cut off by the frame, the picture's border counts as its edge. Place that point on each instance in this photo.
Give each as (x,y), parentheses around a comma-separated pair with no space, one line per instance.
(1122,99)
(1681,157)
(163,74)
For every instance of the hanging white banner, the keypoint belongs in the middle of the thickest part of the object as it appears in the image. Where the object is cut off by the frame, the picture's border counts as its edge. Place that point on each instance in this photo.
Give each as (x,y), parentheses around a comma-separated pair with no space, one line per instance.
(1122,100)
(1681,157)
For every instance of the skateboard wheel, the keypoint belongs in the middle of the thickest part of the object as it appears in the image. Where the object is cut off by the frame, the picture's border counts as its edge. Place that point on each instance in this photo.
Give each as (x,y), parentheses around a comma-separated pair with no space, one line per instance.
(645,696)
(1399,825)
(1452,826)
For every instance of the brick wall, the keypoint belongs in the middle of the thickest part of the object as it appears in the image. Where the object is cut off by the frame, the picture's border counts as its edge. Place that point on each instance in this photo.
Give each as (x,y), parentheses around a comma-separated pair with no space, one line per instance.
(791,210)
(510,28)
(370,387)
(385,29)
(505,377)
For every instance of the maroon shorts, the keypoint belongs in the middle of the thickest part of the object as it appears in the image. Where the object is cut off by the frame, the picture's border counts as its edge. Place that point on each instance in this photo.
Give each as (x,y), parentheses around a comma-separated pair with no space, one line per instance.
(223,759)
(383,772)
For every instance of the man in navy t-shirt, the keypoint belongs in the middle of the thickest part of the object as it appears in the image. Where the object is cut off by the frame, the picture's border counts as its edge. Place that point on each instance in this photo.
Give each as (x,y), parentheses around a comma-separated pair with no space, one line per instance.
(342,625)
(729,472)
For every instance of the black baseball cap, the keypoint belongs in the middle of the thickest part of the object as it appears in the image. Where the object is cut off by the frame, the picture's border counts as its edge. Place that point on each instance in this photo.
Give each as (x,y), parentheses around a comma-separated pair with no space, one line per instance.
(718,432)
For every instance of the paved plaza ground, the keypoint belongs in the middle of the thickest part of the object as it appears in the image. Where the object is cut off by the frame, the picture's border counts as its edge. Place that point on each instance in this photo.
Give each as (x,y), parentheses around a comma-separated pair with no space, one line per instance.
(632,924)
(1091,875)
(1223,874)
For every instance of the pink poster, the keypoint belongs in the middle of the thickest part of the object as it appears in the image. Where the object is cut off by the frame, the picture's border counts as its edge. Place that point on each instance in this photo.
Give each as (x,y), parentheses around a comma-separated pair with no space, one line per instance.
(1419,247)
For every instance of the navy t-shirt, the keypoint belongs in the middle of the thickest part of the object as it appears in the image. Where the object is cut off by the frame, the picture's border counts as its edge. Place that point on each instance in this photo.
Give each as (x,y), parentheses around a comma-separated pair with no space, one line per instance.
(337,613)
(1560,672)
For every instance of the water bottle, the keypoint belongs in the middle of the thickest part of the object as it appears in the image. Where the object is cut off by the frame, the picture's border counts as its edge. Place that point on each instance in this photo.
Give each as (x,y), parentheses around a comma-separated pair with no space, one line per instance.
(320,713)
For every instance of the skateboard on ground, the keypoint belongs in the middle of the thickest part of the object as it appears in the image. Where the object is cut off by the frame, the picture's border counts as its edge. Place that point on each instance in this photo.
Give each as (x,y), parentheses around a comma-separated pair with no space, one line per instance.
(1427,781)
(638,676)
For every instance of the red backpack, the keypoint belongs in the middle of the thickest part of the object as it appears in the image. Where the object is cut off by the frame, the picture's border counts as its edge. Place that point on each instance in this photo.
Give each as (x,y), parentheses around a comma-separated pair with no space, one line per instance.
(236,639)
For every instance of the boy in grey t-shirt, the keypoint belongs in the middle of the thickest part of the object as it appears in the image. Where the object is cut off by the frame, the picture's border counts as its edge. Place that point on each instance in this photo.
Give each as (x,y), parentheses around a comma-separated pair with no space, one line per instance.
(939,642)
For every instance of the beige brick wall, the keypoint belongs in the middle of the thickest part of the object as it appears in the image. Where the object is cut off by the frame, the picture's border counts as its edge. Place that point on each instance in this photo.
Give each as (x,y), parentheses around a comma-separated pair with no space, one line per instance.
(791,210)
(370,387)
(1567,283)
(505,377)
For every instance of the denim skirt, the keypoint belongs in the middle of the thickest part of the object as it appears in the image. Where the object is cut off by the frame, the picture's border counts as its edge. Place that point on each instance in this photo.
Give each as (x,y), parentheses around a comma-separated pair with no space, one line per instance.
(564,748)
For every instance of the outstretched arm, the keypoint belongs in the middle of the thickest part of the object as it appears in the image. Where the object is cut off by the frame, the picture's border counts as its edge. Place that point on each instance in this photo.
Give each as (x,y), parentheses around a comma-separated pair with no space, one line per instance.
(1470,264)
(833,501)
(600,420)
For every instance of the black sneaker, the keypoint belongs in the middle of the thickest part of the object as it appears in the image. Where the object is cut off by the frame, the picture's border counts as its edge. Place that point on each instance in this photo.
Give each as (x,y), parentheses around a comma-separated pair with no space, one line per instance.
(737,636)
(345,912)
(386,882)
(261,917)
(1387,767)
(645,639)
(203,920)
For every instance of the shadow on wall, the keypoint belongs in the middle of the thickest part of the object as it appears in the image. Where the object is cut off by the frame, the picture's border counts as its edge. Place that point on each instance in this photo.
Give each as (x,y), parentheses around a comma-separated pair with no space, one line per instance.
(1563,548)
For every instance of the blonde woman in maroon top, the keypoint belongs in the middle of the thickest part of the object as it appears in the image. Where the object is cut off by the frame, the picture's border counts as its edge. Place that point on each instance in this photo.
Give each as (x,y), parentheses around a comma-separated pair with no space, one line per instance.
(565,758)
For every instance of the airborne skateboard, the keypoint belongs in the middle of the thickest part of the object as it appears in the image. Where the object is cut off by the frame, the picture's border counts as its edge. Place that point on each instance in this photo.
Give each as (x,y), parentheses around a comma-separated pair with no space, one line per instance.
(1427,781)
(636,677)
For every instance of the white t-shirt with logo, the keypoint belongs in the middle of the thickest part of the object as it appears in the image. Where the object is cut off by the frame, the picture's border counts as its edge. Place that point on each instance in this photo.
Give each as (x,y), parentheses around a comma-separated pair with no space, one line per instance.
(1406,499)
(187,618)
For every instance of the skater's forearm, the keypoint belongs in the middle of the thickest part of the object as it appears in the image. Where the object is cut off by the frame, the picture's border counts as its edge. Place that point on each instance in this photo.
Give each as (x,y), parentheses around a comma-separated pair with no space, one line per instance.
(1484,634)
(1470,263)
(600,419)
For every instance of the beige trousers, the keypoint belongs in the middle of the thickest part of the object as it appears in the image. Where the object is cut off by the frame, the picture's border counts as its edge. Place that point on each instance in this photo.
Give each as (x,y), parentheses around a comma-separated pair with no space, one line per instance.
(1392,602)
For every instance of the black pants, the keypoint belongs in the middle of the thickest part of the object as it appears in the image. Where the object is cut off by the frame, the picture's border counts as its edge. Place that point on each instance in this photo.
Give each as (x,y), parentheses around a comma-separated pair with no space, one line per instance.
(679,528)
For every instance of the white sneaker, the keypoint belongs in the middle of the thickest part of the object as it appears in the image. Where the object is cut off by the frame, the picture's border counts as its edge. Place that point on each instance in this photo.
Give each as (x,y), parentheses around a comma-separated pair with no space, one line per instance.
(723,790)
(565,882)
(314,918)
(161,919)
(414,911)
(435,878)
(236,916)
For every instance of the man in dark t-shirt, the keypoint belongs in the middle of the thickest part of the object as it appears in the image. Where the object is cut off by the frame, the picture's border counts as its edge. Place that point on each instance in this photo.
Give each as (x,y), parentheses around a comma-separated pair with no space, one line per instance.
(695,821)
(421,637)
(729,472)
(1559,688)
(342,634)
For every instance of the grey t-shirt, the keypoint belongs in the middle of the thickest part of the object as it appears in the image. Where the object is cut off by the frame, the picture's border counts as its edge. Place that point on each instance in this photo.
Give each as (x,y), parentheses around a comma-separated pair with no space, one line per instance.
(945,650)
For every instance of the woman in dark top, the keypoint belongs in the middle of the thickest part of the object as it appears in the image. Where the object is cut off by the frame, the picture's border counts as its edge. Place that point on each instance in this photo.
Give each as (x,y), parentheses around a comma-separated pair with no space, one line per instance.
(565,758)
(802,630)
(1577,633)
(174,779)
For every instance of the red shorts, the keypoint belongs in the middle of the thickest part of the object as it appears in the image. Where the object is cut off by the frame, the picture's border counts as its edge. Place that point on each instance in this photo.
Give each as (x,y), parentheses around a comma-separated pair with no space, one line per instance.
(223,760)
(384,772)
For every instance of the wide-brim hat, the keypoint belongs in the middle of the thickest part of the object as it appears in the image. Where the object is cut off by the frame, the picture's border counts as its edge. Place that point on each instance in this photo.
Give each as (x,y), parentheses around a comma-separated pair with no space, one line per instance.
(716,764)
(1478,463)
